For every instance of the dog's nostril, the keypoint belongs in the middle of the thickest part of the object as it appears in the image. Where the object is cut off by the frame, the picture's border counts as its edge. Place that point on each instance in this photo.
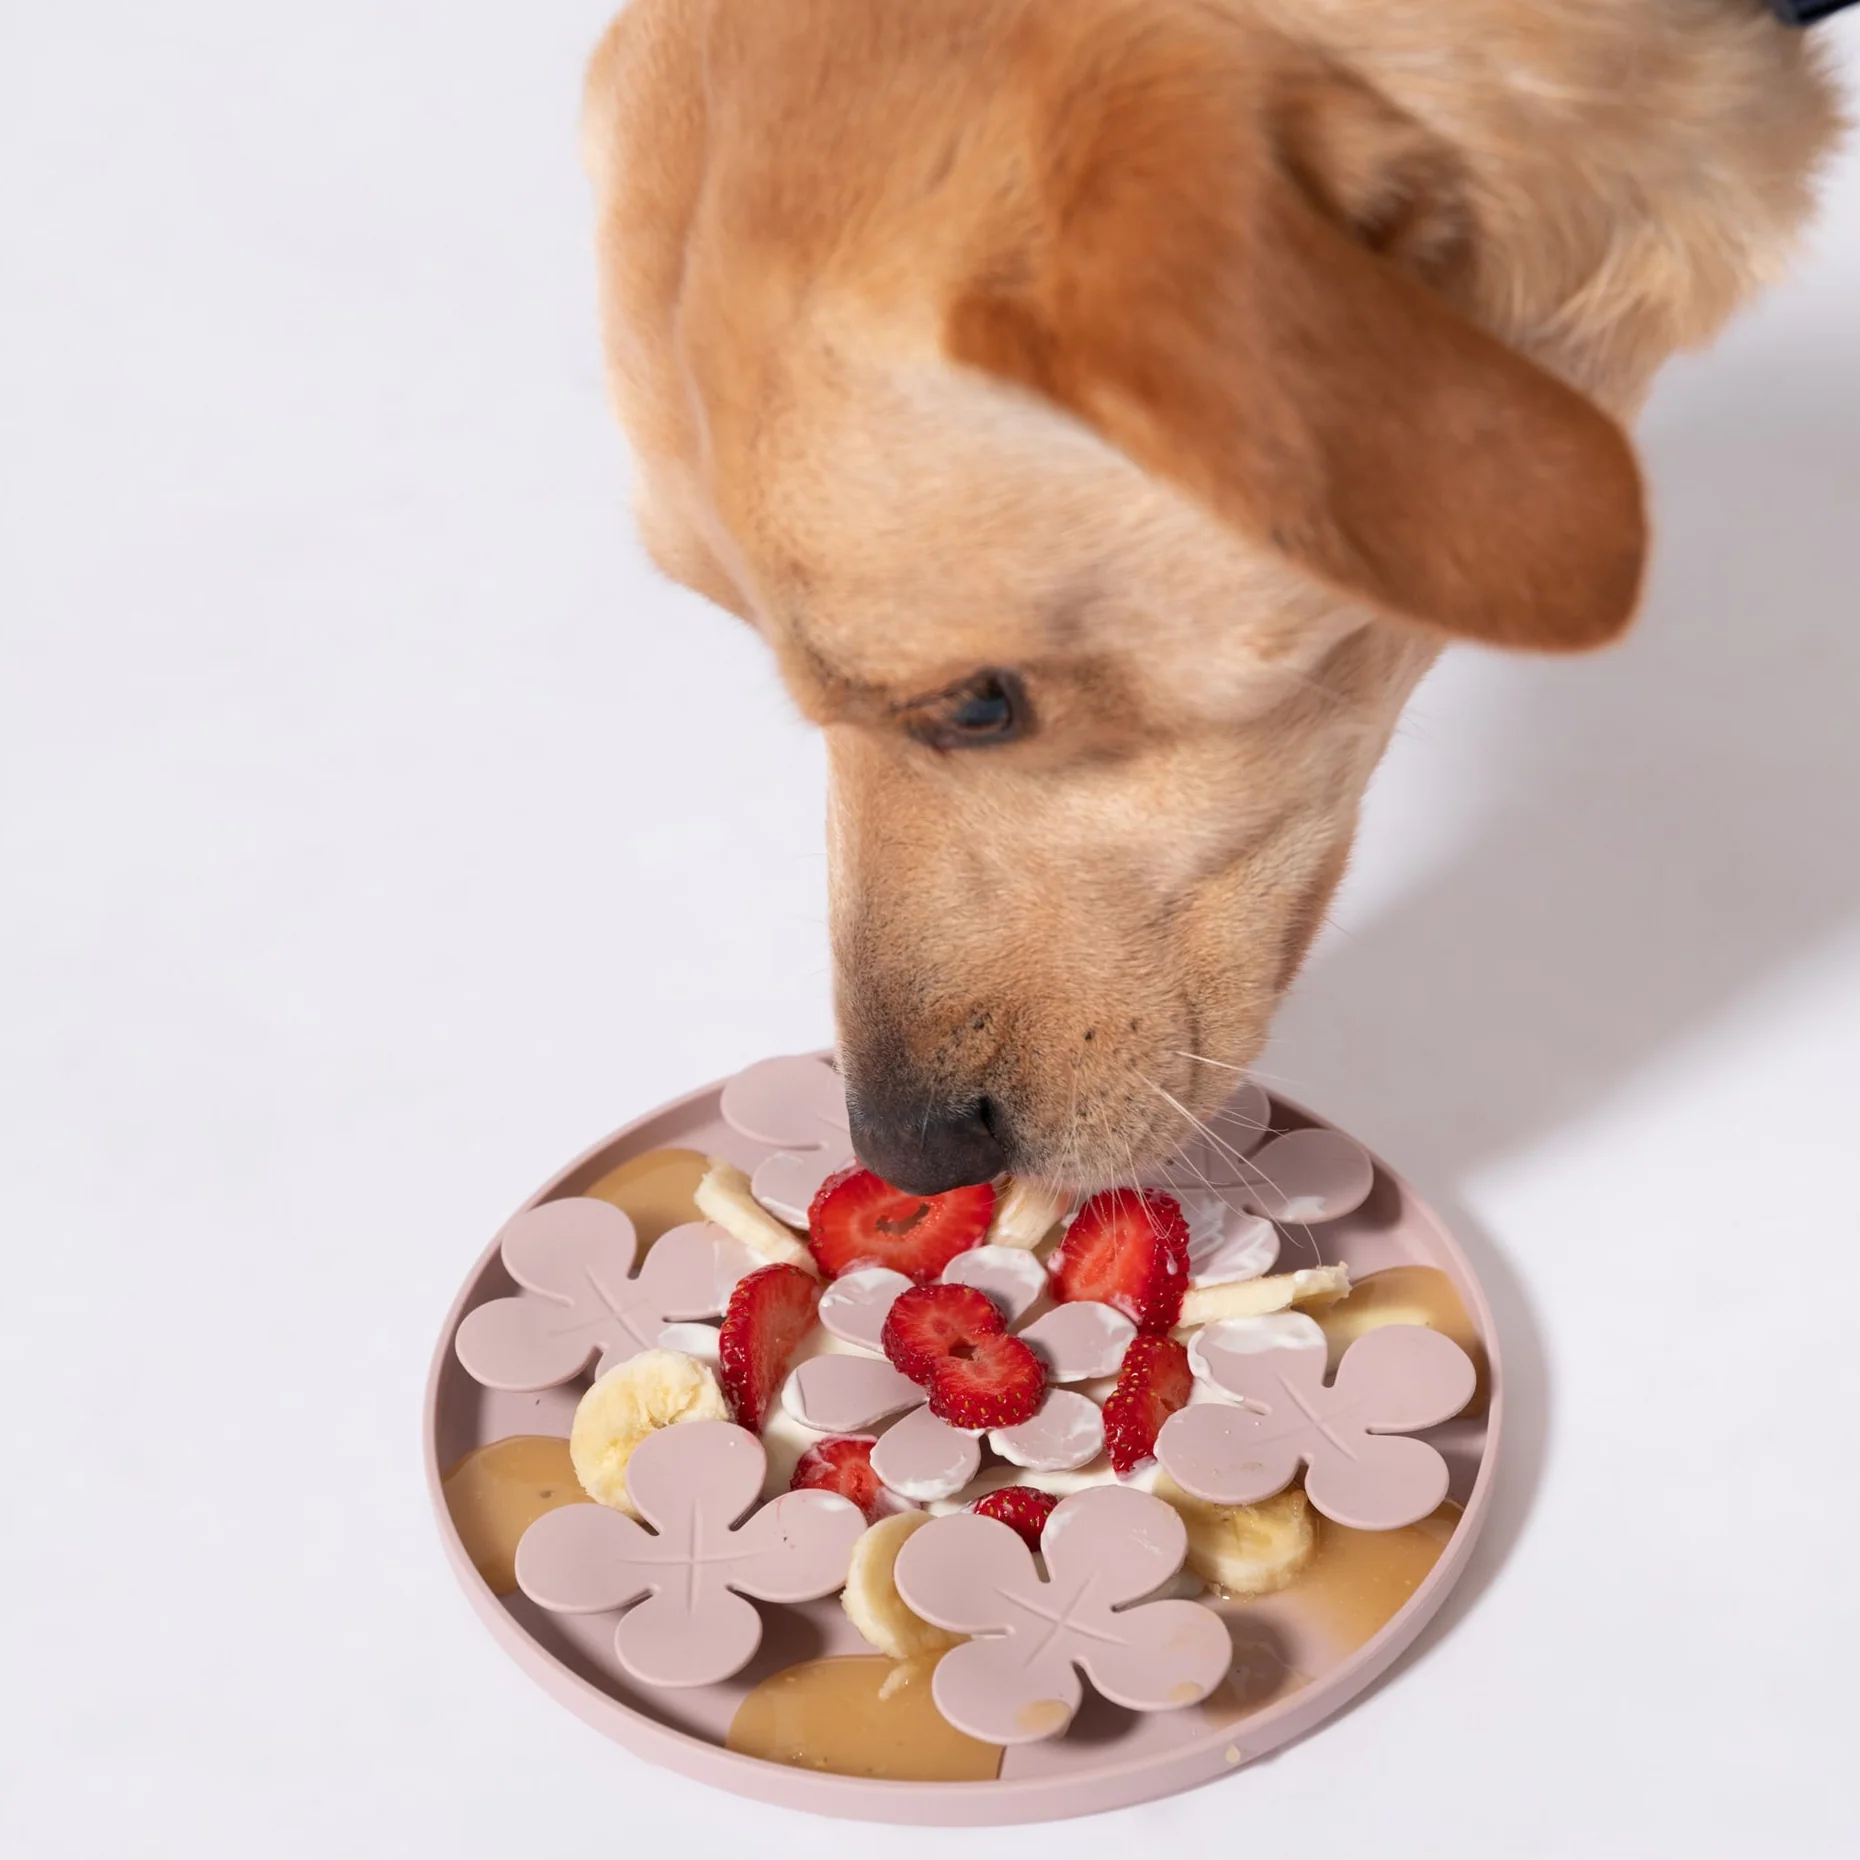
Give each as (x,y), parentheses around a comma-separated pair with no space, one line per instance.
(928,1152)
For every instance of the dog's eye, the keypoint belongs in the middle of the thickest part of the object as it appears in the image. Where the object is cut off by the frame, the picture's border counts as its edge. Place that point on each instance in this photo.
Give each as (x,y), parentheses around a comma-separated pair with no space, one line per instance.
(989,708)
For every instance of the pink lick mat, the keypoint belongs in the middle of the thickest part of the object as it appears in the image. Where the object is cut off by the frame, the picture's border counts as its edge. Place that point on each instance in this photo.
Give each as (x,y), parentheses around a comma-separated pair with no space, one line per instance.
(1112,1756)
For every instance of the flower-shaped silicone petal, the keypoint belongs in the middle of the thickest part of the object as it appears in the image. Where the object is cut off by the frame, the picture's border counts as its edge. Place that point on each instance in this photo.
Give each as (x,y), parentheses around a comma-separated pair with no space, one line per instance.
(799,1103)
(1080,1340)
(1307,1176)
(1232,1190)
(921,1457)
(854,1307)
(838,1394)
(1010,1276)
(1361,1474)
(1225,1243)
(689,1574)
(1017,1680)
(574,1260)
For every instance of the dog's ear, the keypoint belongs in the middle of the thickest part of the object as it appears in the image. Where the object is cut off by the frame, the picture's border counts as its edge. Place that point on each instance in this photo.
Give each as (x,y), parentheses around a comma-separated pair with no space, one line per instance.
(1237,270)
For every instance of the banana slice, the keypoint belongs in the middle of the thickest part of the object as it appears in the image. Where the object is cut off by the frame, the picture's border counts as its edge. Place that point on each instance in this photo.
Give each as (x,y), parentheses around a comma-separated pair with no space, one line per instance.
(723,1196)
(1245,1549)
(655,1389)
(871,1597)
(1316,1285)
(1025,1213)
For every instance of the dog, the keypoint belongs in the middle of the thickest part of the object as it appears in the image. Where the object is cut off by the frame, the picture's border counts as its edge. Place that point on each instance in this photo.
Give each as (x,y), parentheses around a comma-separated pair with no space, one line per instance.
(1106,410)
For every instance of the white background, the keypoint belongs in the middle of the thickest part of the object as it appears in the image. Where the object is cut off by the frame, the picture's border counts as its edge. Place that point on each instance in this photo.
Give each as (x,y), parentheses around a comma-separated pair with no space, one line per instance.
(378,831)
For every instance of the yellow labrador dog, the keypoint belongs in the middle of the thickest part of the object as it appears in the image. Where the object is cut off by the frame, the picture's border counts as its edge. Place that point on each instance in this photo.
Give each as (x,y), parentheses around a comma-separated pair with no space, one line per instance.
(1105,410)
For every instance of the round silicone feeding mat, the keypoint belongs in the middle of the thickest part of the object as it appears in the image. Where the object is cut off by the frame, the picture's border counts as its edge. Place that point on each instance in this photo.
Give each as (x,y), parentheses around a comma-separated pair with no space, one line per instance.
(1389,1497)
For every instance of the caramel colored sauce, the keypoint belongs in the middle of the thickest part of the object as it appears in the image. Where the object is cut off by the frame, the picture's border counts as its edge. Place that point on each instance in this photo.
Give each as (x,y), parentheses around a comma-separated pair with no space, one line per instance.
(654,1190)
(1406,1295)
(1359,1580)
(860,1715)
(496,1493)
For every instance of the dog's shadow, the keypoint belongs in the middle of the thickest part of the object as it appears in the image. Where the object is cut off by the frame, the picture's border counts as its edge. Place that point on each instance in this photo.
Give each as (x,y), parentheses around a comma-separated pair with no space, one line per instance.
(1671,825)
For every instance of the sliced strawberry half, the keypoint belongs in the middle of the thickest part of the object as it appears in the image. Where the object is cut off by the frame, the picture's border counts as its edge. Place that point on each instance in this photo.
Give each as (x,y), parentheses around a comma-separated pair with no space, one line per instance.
(843,1465)
(930,1322)
(1021,1507)
(949,1339)
(999,1383)
(859,1219)
(769,1313)
(1129,1248)
(1154,1382)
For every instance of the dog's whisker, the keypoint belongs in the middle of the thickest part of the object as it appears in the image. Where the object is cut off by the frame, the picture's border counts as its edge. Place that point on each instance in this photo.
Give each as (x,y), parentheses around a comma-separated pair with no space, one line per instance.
(1246,1072)
(1298,1232)
(1220,1143)
(1246,1164)
(1228,1150)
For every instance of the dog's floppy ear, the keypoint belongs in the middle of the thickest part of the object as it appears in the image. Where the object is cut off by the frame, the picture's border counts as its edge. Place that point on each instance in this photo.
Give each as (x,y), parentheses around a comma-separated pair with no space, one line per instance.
(1225,268)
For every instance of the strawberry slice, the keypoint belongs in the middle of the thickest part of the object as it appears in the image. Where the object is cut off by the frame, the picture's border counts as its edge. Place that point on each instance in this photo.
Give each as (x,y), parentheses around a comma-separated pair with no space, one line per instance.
(858,1219)
(930,1322)
(843,1465)
(1129,1248)
(999,1384)
(1153,1383)
(950,1340)
(769,1313)
(1021,1507)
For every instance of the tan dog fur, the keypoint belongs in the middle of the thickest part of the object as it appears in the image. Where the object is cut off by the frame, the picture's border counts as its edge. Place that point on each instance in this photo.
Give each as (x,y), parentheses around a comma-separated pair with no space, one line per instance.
(1207,363)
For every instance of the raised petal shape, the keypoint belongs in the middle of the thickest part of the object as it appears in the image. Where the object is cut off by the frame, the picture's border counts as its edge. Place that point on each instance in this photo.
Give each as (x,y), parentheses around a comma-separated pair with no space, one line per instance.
(697,1340)
(1309,1176)
(1410,1376)
(1118,1539)
(1225,1247)
(1104,1548)
(799,1104)
(923,1458)
(797,1546)
(1081,1340)
(692,1483)
(586,1566)
(1279,1330)
(573,1259)
(845,1394)
(854,1307)
(1067,1432)
(1361,1474)
(1226,1454)
(1399,1482)
(690,1635)
(1171,1651)
(786,1183)
(1007,1691)
(965,1578)
(1009,1275)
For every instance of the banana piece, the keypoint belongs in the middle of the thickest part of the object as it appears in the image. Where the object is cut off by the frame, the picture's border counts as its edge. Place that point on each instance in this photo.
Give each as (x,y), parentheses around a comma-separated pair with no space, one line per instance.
(1025,1213)
(1245,1549)
(1316,1285)
(655,1389)
(871,1597)
(724,1197)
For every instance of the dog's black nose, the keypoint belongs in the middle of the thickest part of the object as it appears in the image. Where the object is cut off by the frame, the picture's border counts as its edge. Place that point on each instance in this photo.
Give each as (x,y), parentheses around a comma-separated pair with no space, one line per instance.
(927,1151)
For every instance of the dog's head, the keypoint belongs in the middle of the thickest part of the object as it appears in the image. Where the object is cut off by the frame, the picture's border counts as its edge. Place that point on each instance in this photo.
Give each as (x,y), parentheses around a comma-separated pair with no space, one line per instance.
(1079,401)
